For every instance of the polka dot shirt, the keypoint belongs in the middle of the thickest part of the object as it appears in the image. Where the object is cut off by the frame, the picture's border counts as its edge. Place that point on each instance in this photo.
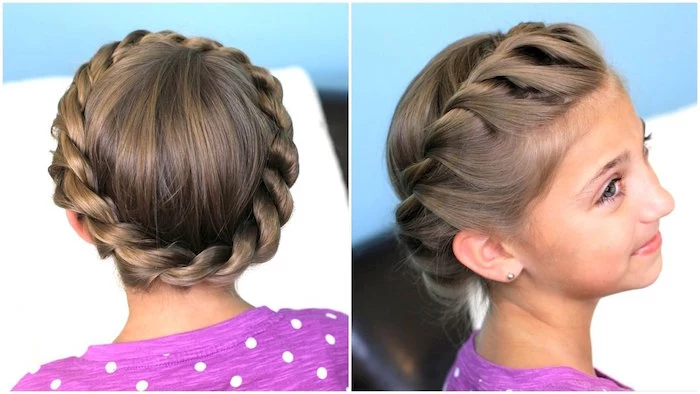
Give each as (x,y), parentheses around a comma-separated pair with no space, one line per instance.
(257,350)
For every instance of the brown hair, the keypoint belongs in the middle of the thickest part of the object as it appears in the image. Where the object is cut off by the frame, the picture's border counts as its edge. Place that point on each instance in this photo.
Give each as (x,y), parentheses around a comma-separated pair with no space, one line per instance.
(477,137)
(177,152)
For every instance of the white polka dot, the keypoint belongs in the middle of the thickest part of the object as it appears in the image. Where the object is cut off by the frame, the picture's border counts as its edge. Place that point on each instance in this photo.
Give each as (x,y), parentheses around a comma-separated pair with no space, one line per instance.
(166,354)
(236,381)
(110,367)
(288,357)
(456,373)
(142,385)
(251,343)
(321,373)
(330,339)
(200,367)
(296,323)
(480,380)
(55,384)
(330,315)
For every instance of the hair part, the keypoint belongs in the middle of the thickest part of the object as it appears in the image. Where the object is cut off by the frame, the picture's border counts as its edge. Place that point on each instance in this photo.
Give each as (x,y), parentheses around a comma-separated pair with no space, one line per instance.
(178,154)
(477,138)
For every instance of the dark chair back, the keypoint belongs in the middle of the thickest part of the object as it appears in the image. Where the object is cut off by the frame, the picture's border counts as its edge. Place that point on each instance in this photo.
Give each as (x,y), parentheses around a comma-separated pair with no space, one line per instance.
(399,341)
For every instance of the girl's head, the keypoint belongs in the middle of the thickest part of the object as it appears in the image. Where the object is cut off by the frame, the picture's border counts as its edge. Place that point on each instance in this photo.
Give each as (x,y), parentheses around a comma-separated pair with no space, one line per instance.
(177,155)
(521,153)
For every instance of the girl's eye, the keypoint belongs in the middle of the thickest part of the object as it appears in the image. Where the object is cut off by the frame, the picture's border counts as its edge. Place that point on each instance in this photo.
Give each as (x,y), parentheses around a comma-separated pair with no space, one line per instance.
(612,191)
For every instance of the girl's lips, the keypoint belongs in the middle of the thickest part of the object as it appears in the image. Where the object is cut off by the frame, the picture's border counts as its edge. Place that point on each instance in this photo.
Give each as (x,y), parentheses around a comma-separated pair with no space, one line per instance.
(650,247)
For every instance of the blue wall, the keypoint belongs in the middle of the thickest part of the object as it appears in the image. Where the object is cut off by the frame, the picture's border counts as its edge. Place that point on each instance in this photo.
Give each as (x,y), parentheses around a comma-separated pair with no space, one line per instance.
(653,45)
(54,39)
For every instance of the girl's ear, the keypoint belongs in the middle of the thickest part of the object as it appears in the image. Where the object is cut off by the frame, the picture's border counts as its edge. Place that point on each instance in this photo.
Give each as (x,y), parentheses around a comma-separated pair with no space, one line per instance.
(76,221)
(485,256)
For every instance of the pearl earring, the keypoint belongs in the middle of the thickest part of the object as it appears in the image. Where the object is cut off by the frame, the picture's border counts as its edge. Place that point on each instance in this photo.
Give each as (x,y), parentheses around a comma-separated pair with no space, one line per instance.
(510,276)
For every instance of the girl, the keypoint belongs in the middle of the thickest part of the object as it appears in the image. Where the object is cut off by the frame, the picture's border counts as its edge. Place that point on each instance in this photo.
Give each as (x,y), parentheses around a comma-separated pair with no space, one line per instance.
(175,157)
(522,171)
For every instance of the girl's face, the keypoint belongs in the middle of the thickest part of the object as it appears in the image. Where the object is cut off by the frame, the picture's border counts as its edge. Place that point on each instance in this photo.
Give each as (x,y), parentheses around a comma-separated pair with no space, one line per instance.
(591,234)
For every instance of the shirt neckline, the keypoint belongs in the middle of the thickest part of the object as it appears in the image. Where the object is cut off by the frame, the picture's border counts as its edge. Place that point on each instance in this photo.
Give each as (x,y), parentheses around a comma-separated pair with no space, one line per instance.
(484,363)
(227,331)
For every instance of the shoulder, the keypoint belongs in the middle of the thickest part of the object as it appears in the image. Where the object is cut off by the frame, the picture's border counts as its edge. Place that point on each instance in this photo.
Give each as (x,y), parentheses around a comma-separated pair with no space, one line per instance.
(322,327)
(325,317)
(48,376)
(315,342)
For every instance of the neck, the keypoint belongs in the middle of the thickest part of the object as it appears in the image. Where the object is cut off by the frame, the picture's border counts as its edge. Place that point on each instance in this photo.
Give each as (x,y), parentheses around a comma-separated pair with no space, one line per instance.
(538,331)
(164,310)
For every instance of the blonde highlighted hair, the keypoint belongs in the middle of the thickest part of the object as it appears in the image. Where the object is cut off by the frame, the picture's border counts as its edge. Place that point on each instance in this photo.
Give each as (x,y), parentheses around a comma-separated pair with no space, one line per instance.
(476,139)
(178,155)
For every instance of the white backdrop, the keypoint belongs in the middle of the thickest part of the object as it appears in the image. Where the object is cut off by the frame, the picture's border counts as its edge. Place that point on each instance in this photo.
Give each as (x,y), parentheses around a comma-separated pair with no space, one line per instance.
(58,296)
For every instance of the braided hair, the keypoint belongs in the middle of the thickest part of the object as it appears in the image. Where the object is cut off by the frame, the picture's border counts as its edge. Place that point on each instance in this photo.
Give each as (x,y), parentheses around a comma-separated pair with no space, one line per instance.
(476,139)
(178,155)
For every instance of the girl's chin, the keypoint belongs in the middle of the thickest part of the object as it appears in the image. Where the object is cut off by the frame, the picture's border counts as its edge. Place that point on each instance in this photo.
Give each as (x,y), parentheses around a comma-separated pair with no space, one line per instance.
(648,276)
(639,276)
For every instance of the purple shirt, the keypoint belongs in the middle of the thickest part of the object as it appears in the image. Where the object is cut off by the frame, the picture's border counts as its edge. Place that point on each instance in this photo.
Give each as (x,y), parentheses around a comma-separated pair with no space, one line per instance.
(257,350)
(471,372)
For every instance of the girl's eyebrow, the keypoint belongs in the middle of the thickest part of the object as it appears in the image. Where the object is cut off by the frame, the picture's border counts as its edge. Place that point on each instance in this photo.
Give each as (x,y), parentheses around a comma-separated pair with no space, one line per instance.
(622,158)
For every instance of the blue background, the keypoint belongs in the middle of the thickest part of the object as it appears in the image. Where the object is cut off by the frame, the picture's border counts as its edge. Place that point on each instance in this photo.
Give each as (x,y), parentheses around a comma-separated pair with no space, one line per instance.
(54,39)
(654,46)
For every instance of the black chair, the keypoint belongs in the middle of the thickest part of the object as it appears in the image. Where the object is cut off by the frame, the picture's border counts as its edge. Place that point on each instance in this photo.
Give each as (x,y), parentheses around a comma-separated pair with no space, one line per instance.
(399,341)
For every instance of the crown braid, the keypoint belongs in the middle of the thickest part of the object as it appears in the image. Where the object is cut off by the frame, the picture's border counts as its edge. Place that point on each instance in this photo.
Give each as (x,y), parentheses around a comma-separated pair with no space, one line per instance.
(139,252)
(471,144)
